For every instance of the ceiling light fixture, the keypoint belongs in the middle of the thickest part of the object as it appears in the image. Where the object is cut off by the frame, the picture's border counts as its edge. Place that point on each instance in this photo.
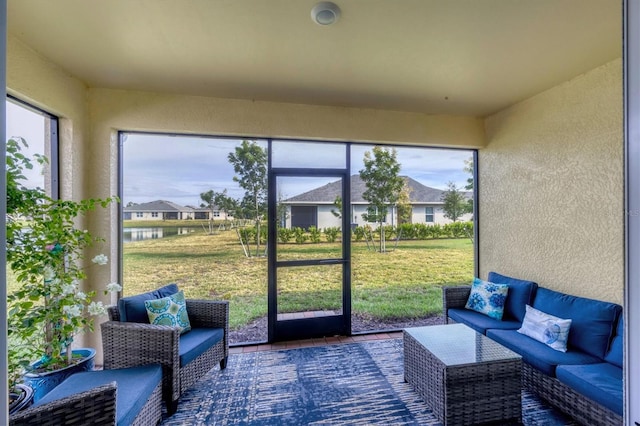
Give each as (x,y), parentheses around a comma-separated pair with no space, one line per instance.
(325,13)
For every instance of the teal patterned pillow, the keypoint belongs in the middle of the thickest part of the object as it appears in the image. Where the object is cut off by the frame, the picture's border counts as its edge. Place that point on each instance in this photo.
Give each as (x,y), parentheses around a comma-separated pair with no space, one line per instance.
(487,298)
(546,328)
(170,310)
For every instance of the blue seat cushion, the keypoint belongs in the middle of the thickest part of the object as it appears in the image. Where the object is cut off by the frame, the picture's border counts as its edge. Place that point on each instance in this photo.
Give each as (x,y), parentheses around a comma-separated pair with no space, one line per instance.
(592,321)
(132,308)
(480,322)
(135,386)
(521,293)
(196,342)
(538,354)
(616,351)
(600,382)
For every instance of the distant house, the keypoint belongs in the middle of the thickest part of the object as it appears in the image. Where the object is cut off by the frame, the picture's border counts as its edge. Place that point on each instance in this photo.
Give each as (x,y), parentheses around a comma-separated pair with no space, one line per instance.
(167,210)
(314,208)
(158,210)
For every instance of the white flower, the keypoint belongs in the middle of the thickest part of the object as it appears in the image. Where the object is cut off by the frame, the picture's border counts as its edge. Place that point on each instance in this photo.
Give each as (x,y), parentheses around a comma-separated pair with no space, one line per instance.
(100,259)
(68,289)
(49,273)
(113,287)
(72,311)
(97,308)
(81,295)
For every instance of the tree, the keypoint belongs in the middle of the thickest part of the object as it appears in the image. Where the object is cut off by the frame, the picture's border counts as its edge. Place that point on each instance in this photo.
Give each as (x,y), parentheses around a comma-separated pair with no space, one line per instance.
(216,201)
(405,210)
(250,163)
(455,203)
(469,168)
(383,183)
(337,203)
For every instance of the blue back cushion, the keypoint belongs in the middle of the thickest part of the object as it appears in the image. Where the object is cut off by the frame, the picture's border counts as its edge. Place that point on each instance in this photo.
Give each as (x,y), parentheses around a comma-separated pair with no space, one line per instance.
(593,321)
(521,293)
(615,354)
(132,308)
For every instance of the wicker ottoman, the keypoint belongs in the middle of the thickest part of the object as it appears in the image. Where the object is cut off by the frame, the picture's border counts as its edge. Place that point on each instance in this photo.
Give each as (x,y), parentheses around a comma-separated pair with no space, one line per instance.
(465,377)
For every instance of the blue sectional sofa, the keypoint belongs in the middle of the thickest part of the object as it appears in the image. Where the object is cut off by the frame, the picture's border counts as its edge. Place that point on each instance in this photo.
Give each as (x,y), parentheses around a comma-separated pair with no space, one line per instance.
(586,380)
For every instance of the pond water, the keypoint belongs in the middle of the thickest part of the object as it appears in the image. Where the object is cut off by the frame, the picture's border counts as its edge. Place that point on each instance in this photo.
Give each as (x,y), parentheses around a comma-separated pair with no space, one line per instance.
(140,234)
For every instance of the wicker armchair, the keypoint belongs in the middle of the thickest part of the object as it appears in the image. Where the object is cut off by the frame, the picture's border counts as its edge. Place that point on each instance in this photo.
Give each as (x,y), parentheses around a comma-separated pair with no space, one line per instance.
(129,342)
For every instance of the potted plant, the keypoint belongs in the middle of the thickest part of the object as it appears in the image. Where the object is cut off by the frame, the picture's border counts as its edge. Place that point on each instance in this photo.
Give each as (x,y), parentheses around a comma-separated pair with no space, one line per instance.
(45,251)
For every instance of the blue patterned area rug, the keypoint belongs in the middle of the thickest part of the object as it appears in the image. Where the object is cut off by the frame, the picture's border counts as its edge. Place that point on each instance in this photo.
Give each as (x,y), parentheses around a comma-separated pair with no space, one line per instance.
(344,384)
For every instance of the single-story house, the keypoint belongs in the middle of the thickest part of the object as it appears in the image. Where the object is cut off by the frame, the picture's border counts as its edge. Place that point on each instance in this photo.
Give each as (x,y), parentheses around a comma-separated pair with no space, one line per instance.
(158,210)
(168,210)
(317,206)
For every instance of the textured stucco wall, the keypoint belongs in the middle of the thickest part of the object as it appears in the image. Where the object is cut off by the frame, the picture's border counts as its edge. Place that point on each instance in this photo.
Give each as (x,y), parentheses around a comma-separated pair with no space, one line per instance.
(551,188)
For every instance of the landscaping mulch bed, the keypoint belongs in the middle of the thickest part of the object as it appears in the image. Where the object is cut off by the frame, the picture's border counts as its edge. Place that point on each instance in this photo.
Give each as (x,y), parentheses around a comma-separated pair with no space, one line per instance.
(257,330)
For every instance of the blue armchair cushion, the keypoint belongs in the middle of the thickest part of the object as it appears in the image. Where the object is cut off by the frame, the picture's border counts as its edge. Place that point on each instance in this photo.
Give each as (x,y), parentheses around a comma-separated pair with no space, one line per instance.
(600,382)
(616,351)
(170,310)
(196,342)
(132,308)
(487,298)
(480,322)
(135,386)
(592,321)
(521,293)
(538,354)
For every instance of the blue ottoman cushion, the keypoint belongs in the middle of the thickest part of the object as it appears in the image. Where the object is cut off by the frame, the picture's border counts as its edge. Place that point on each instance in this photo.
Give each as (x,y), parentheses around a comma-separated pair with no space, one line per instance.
(538,354)
(480,322)
(196,342)
(521,293)
(592,321)
(132,308)
(600,382)
(135,385)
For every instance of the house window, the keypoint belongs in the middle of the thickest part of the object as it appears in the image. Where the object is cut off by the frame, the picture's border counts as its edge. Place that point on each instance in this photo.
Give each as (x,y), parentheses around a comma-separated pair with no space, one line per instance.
(138,214)
(429,214)
(39,130)
(154,214)
(216,213)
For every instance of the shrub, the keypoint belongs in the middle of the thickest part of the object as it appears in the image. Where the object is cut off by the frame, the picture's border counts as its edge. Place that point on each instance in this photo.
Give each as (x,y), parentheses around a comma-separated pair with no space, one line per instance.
(299,235)
(285,235)
(314,234)
(331,234)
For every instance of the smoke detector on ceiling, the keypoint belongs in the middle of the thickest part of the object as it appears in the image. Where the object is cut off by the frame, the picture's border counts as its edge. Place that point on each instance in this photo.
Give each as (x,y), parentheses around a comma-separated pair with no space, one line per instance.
(325,13)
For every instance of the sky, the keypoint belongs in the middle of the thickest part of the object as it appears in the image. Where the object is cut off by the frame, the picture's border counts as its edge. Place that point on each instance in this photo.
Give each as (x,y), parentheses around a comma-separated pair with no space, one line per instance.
(30,126)
(180,168)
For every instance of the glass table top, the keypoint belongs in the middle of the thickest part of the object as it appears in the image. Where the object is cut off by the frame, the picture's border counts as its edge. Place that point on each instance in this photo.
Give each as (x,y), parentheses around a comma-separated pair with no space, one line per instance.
(457,344)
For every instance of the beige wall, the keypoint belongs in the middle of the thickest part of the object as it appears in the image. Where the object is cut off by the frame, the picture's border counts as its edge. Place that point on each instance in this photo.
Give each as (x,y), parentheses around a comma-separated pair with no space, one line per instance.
(551,188)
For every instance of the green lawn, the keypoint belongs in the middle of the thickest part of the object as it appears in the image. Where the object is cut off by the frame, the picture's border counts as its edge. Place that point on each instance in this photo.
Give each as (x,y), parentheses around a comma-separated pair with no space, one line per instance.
(403,283)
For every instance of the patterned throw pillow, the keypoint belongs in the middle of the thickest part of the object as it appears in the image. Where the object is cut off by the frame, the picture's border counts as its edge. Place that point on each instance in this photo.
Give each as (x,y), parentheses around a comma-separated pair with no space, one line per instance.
(487,298)
(171,310)
(545,328)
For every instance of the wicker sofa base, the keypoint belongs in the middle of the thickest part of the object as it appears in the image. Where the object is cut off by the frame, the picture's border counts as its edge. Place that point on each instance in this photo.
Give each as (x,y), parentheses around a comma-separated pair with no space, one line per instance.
(561,396)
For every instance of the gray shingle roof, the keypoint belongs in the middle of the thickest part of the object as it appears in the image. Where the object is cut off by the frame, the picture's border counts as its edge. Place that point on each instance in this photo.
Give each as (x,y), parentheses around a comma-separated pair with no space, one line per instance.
(157,206)
(326,194)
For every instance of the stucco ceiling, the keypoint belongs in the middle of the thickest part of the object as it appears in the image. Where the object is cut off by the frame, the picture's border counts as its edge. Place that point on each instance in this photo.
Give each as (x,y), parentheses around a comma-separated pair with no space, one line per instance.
(464,57)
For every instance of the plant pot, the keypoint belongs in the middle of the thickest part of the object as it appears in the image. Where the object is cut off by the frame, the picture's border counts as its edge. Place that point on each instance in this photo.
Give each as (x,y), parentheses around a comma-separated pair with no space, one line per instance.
(20,397)
(43,382)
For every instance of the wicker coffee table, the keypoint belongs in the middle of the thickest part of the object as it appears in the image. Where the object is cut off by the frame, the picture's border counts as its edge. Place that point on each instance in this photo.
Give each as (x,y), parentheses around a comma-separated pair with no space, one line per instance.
(465,377)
